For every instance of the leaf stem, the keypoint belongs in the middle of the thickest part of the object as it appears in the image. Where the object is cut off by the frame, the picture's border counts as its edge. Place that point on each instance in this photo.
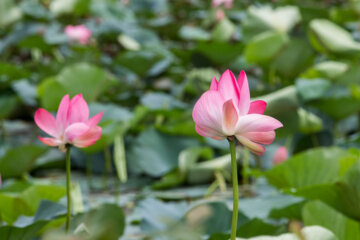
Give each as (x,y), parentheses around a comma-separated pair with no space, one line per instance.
(235,188)
(107,166)
(245,171)
(3,130)
(68,188)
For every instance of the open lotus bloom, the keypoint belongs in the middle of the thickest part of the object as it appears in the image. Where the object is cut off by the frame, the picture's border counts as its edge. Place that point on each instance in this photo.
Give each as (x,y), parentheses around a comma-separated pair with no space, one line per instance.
(280,155)
(72,124)
(226,110)
(78,33)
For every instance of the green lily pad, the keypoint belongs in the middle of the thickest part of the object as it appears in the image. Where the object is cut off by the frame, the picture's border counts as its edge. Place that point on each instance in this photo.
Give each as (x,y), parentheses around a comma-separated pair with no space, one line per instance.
(326,36)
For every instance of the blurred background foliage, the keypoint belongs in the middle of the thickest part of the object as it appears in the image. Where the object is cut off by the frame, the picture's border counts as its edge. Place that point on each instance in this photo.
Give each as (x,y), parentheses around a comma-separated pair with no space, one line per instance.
(146,64)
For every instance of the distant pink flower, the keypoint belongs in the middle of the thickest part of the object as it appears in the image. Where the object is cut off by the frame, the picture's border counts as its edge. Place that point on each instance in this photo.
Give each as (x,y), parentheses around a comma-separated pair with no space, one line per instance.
(225,110)
(220,14)
(78,33)
(280,155)
(72,124)
(227,3)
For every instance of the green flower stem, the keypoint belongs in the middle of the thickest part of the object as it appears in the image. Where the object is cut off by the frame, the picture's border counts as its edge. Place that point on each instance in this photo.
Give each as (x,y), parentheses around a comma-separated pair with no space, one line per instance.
(117,190)
(235,188)
(68,188)
(107,166)
(3,130)
(314,140)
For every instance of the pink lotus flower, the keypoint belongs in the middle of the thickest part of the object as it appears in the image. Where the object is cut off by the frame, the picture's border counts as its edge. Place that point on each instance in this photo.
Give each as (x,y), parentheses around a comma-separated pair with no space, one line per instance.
(225,111)
(72,124)
(78,33)
(280,155)
(227,3)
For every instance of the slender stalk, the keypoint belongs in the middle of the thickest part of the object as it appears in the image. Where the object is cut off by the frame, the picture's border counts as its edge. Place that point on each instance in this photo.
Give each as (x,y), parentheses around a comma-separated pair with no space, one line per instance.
(258,162)
(107,166)
(3,130)
(337,133)
(221,180)
(117,190)
(288,142)
(68,188)
(315,140)
(211,188)
(235,188)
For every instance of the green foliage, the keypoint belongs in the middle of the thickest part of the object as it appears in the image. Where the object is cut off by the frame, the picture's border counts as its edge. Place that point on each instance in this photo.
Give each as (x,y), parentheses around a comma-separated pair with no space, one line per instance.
(338,107)
(159,149)
(312,89)
(318,213)
(310,233)
(26,201)
(81,78)
(18,161)
(327,174)
(145,64)
(44,217)
(110,216)
(223,30)
(193,33)
(280,19)
(257,227)
(212,217)
(7,104)
(329,37)
(9,12)
(264,47)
